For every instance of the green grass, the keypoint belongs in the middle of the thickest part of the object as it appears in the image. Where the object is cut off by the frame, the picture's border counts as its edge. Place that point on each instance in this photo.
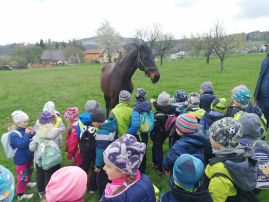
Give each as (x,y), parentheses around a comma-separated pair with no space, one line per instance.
(68,86)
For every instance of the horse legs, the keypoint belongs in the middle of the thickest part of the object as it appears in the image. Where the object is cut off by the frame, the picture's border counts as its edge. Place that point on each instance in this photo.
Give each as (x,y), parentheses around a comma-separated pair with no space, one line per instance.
(108,102)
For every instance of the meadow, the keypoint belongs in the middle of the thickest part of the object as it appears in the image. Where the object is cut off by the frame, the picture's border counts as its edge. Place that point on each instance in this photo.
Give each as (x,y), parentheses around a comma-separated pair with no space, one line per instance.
(73,85)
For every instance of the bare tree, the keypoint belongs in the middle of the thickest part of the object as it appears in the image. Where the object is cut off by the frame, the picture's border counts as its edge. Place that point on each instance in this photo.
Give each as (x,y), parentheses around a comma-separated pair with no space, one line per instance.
(196,45)
(108,38)
(208,45)
(163,45)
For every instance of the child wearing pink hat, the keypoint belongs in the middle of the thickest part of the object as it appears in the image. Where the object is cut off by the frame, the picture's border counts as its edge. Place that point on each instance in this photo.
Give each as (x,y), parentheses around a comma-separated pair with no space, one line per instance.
(67,184)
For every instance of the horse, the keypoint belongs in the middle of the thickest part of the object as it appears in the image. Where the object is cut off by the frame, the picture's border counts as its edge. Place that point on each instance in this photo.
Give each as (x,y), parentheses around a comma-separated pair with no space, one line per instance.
(117,77)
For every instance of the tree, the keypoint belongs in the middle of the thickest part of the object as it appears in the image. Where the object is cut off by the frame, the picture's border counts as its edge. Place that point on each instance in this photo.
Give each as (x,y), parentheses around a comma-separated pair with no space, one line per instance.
(41,44)
(108,38)
(27,54)
(196,45)
(163,45)
(208,45)
(73,51)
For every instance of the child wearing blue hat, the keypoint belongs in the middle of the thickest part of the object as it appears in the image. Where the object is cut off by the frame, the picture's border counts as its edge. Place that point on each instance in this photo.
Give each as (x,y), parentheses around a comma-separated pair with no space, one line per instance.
(7,186)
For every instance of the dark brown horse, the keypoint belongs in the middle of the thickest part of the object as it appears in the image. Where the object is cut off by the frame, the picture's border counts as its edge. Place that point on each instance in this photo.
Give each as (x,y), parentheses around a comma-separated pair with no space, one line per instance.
(117,77)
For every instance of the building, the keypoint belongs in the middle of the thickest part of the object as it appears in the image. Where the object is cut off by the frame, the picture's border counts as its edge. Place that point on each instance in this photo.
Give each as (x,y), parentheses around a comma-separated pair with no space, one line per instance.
(52,57)
(99,56)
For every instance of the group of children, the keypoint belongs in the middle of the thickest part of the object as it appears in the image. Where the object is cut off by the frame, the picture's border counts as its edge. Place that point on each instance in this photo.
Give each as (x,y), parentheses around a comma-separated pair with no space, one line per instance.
(211,148)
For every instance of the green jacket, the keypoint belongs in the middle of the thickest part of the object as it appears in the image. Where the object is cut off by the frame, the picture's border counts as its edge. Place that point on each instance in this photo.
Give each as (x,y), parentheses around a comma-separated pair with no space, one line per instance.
(219,187)
(122,112)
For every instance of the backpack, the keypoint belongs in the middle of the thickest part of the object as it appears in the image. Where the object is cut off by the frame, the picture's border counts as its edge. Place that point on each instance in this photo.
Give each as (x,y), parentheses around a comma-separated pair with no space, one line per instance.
(87,143)
(170,122)
(146,122)
(50,154)
(5,140)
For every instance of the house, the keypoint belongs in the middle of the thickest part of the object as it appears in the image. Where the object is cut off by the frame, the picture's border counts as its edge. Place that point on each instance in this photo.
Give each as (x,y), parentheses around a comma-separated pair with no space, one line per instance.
(52,57)
(99,56)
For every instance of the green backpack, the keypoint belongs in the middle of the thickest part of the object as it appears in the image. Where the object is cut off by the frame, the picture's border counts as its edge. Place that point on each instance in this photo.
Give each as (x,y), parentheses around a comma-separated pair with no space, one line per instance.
(146,122)
(50,154)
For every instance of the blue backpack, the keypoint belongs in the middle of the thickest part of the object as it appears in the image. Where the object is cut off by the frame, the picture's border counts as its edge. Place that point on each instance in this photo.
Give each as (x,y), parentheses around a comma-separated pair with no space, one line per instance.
(146,122)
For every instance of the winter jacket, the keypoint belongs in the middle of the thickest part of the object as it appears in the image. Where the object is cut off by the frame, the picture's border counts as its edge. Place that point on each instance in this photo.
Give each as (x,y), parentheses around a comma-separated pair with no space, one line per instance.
(262,87)
(180,195)
(139,107)
(188,144)
(104,136)
(72,146)
(122,112)
(23,154)
(239,172)
(208,119)
(142,191)
(159,134)
(205,101)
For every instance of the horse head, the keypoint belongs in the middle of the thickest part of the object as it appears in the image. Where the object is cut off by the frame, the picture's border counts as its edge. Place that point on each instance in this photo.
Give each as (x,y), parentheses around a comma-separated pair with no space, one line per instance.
(146,63)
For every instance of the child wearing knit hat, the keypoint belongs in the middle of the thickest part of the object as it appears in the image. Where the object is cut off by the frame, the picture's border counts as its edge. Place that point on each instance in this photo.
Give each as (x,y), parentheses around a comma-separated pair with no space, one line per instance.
(180,101)
(159,134)
(122,112)
(207,95)
(194,105)
(231,164)
(23,157)
(45,135)
(122,159)
(188,172)
(7,185)
(190,142)
(72,135)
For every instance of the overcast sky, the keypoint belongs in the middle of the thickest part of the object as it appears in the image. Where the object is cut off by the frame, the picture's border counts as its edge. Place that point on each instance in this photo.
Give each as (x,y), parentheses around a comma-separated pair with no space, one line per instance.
(61,20)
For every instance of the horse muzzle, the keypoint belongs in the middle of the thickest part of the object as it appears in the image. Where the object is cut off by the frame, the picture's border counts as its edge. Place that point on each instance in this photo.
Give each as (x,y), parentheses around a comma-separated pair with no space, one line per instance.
(154,76)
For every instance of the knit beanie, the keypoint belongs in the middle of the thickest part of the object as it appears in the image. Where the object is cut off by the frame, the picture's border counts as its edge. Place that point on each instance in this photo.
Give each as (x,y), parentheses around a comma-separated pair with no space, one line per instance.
(219,105)
(46,117)
(237,87)
(67,184)
(188,171)
(71,114)
(49,107)
(251,126)
(98,116)
(124,96)
(91,105)
(186,123)
(163,99)
(226,132)
(206,87)
(180,96)
(7,183)
(126,154)
(193,100)
(140,95)
(242,96)
(19,116)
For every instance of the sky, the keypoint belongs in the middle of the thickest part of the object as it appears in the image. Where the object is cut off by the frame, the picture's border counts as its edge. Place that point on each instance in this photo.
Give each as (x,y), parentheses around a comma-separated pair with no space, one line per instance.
(62,20)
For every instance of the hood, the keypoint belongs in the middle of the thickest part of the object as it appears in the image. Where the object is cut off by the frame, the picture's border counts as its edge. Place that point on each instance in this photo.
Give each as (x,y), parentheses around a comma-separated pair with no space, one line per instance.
(213,116)
(197,139)
(241,167)
(142,106)
(109,125)
(85,118)
(253,109)
(168,109)
(182,195)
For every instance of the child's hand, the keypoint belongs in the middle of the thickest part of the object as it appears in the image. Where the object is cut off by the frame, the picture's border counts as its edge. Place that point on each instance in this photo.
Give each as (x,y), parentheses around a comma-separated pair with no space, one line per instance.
(29,131)
(97,170)
(167,172)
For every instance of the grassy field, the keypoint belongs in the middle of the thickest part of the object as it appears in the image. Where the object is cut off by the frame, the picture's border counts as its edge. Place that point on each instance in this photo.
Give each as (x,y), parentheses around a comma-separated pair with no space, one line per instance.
(69,86)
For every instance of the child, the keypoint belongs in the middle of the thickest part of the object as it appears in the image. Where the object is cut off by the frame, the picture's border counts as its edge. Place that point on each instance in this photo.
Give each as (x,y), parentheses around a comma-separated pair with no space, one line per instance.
(232,164)
(67,184)
(158,135)
(23,157)
(190,142)
(45,133)
(6,185)
(90,106)
(141,106)
(193,105)
(122,112)
(207,95)
(71,117)
(188,172)
(106,133)
(180,101)
(57,121)
(122,159)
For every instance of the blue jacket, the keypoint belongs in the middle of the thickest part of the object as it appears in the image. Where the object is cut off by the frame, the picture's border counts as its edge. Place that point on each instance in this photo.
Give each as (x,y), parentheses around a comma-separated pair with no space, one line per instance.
(208,119)
(104,136)
(205,100)
(188,144)
(141,191)
(180,195)
(262,87)
(23,154)
(139,107)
